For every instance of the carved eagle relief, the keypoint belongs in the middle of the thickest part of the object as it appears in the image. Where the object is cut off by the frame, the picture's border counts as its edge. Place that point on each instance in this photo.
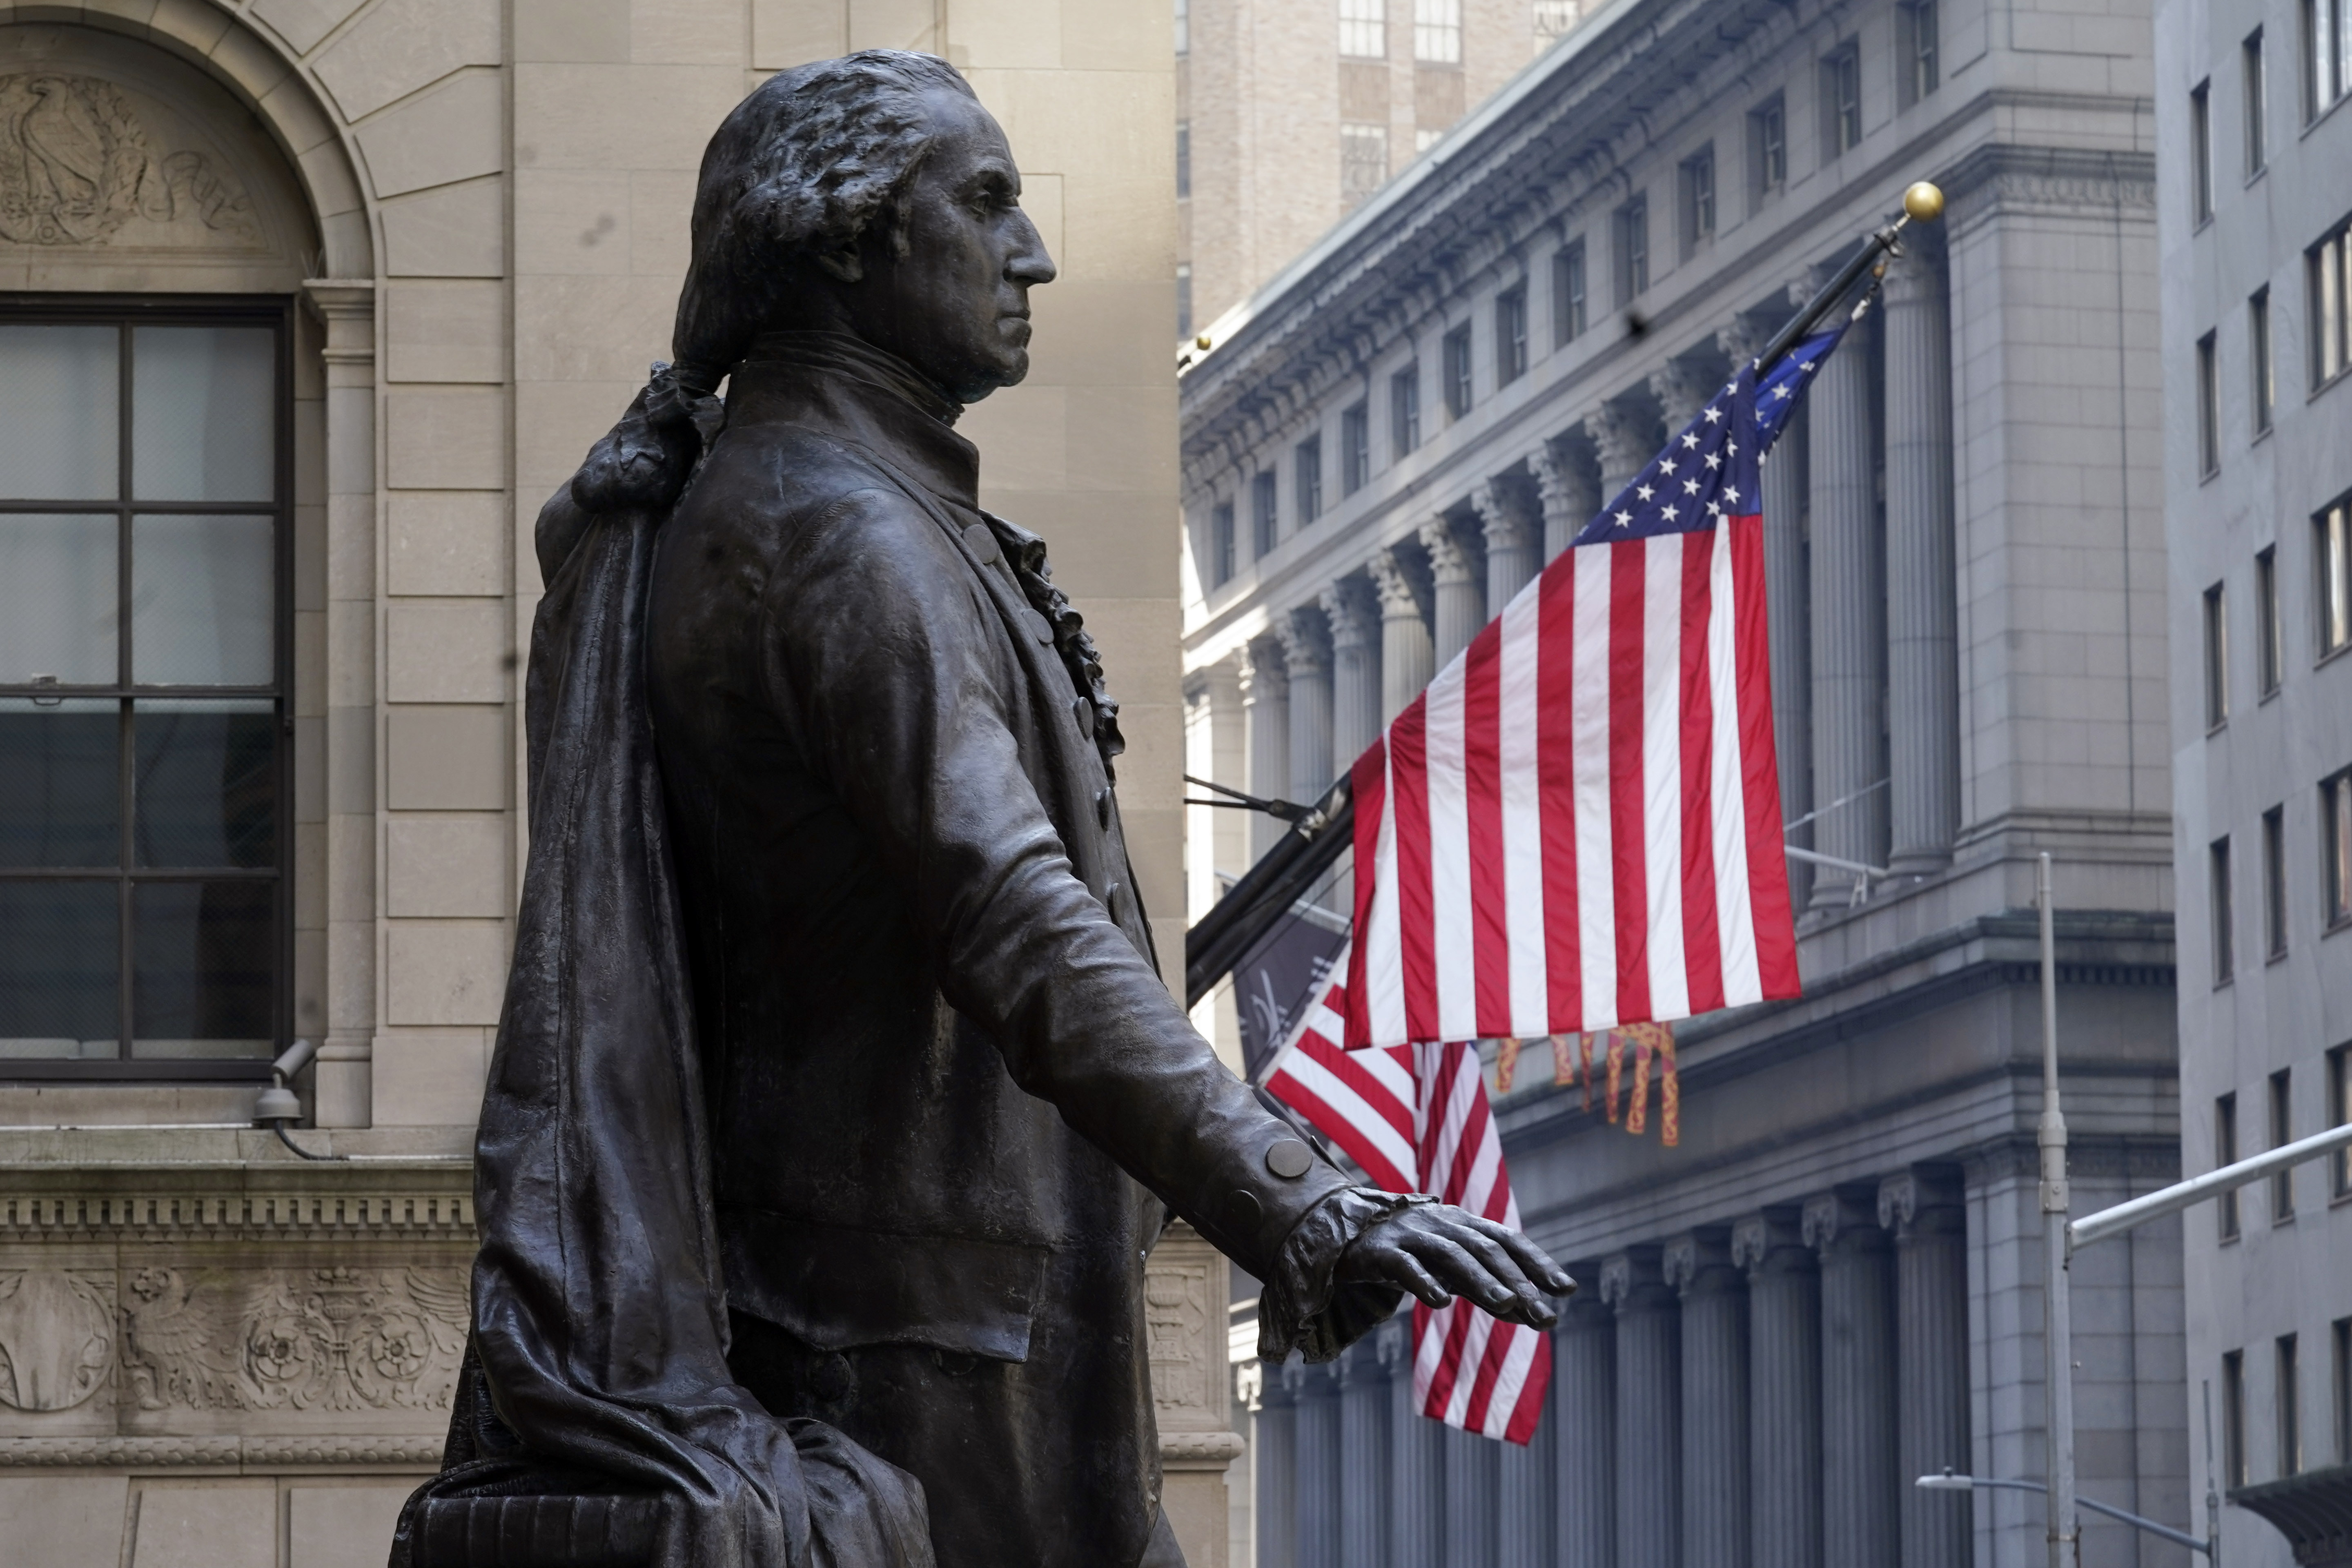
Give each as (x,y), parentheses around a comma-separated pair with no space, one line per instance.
(76,167)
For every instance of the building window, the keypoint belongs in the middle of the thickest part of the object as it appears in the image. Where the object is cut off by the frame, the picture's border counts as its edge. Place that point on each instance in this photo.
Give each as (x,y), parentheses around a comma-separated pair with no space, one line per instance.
(2216,659)
(1553,19)
(1633,227)
(2262,382)
(2290,1410)
(2328,266)
(1768,147)
(2336,846)
(1183,159)
(1262,516)
(2327,51)
(2200,153)
(143,801)
(1568,293)
(1221,544)
(1183,26)
(1915,36)
(1457,372)
(2274,882)
(2256,84)
(1183,300)
(1364,29)
(2269,649)
(1437,32)
(2233,1418)
(1363,162)
(2208,409)
(1405,410)
(2339,1383)
(1355,449)
(2331,558)
(1307,479)
(2281,1088)
(2340,1111)
(1695,182)
(2217,863)
(1840,101)
(1510,335)
(2225,1153)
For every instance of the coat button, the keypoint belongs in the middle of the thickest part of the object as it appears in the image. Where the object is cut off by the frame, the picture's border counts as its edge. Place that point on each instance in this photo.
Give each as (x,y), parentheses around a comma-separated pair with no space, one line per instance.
(1039,626)
(980,540)
(1288,1159)
(1085,712)
(1242,1212)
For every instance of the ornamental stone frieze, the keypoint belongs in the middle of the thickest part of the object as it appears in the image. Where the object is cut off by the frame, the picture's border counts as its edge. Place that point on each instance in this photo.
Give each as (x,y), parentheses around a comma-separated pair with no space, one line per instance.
(211,1315)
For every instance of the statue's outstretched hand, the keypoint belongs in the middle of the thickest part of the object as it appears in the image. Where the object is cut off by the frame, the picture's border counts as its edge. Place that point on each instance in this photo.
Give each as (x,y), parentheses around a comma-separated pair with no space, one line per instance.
(1436,1252)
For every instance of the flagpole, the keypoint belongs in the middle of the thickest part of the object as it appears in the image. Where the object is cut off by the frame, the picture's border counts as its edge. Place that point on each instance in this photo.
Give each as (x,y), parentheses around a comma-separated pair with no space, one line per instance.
(1922,201)
(2058,1330)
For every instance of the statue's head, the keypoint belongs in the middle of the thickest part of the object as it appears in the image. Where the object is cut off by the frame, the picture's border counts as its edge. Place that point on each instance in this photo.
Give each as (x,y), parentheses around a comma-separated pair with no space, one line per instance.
(870,194)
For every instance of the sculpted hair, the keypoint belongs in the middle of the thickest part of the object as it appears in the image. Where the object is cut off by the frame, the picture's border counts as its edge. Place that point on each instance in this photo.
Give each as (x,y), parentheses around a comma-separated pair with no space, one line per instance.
(806,164)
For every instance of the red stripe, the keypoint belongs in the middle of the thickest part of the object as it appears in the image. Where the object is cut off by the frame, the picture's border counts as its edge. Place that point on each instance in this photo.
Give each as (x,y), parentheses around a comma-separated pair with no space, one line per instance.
(1341,1128)
(1490,1369)
(1482,727)
(1530,1410)
(1768,867)
(1348,1067)
(1555,720)
(1626,823)
(1437,1094)
(1369,792)
(1702,941)
(1416,918)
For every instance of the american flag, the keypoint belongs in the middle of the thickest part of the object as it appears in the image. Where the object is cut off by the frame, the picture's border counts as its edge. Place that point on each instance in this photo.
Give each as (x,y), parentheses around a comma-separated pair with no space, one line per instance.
(1577,823)
(1416,1119)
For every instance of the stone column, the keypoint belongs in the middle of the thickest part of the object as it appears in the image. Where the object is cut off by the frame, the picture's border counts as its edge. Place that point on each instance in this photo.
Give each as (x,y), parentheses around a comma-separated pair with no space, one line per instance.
(1626,438)
(1364,1398)
(1511,542)
(1526,1530)
(1925,1208)
(1307,654)
(344,1093)
(1416,1460)
(1353,614)
(1316,1389)
(1472,1500)
(1570,490)
(1584,1410)
(1461,607)
(1848,622)
(1784,1381)
(1923,713)
(1861,1486)
(1715,1399)
(1407,656)
(1682,389)
(1266,699)
(1277,1441)
(1186,1286)
(1649,1410)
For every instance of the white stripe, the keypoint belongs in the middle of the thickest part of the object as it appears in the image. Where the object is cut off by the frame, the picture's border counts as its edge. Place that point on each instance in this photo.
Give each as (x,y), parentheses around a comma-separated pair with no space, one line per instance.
(1596,887)
(1510,1381)
(1384,946)
(1735,917)
(1523,908)
(1466,1370)
(1318,1019)
(1313,1078)
(1661,772)
(1451,944)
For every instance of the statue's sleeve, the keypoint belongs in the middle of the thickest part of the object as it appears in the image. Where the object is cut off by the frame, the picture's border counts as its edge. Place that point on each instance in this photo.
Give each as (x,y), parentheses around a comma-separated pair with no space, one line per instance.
(894,667)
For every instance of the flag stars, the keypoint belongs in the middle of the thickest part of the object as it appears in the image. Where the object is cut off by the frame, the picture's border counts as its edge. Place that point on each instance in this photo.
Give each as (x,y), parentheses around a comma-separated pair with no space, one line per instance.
(1690,441)
(1669,514)
(1690,487)
(1713,461)
(1624,520)
(1714,415)
(1731,493)
(1666,466)
(1646,492)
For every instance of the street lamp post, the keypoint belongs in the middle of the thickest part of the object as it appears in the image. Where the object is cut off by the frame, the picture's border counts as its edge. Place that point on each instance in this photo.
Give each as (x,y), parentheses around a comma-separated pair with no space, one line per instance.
(2058,1325)
(1947,1481)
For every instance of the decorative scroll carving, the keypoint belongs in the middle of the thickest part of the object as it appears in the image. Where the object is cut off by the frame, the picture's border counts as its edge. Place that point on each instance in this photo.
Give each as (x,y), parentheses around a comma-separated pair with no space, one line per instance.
(57,1338)
(75,166)
(334,1339)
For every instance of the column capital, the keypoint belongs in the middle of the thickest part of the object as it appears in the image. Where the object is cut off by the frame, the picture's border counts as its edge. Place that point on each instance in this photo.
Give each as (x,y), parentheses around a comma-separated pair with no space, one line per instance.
(1558,474)
(1502,516)
(1925,1199)
(1349,610)
(1260,665)
(1449,562)
(1841,1222)
(1632,1280)
(1400,596)
(1683,389)
(347,306)
(1306,642)
(1759,1240)
(1743,338)
(1699,1262)
(1622,436)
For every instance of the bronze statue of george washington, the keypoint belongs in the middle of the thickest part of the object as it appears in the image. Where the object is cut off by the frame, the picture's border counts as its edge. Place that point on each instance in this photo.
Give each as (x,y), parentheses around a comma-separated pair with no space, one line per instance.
(838,1100)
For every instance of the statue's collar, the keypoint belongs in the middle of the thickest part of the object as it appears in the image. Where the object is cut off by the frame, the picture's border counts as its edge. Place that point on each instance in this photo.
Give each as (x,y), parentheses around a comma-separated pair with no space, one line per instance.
(835,382)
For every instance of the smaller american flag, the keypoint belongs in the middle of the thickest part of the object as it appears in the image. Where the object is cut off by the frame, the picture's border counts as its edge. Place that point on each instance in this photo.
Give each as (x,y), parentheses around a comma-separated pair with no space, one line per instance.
(1416,1119)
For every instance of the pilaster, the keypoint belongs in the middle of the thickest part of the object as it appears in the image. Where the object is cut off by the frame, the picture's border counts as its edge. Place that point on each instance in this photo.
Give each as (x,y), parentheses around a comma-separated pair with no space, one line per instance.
(1784,1307)
(1925,1208)
(1649,1410)
(1861,1494)
(1699,1269)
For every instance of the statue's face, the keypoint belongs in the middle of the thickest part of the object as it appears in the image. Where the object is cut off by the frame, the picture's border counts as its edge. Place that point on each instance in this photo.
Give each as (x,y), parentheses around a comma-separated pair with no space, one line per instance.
(956,306)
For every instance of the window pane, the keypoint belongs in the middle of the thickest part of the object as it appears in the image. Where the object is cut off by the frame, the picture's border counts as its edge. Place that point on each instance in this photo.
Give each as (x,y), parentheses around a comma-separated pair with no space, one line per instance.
(203,412)
(59,388)
(57,592)
(202,969)
(60,783)
(202,592)
(60,975)
(205,792)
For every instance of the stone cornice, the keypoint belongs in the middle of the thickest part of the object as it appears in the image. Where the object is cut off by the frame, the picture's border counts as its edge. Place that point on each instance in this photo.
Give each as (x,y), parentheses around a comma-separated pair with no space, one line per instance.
(410,1200)
(224,1452)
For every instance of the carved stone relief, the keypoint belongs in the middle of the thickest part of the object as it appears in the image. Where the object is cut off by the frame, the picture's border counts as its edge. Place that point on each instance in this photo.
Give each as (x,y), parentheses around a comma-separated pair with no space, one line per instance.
(77,166)
(1177,1316)
(57,1338)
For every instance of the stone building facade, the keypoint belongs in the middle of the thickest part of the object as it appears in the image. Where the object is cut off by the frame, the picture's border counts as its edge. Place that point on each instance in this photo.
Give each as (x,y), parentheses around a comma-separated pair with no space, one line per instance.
(2254,142)
(1833,1285)
(1288,116)
(305,305)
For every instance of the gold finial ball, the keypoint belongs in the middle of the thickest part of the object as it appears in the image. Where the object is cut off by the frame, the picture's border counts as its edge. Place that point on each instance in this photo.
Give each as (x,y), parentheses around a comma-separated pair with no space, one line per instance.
(1923,202)
(1202,341)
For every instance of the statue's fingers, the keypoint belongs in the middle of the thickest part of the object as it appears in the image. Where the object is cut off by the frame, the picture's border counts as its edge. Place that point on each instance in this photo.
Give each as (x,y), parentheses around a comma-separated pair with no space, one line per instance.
(1537,1263)
(1466,1271)
(1421,1284)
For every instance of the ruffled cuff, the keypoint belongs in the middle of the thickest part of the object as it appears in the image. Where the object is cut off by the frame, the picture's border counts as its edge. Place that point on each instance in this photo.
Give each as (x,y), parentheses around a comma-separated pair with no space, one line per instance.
(1303,1307)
